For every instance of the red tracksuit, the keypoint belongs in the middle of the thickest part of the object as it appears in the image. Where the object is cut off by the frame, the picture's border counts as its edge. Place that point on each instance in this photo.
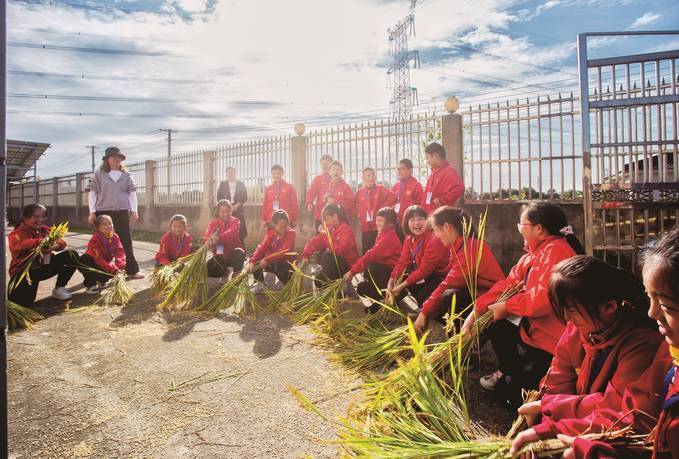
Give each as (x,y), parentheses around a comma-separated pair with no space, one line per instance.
(274,243)
(314,196)
(666,441)
(407,192)
(339,190)
(592,386)
(280,195)
(343,243)
(428,254)
(22,240)
(172,248)
(228,234)
(534,270)
(107,252)
(443,184)
(367,201)
(489,271)
(386,251)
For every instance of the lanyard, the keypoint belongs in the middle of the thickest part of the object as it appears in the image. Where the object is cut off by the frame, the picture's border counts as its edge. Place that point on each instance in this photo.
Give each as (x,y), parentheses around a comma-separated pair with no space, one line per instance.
(402,185)
(180,246)
(277,243)
(414,253)
(276,190)
(108,244)
(666,388)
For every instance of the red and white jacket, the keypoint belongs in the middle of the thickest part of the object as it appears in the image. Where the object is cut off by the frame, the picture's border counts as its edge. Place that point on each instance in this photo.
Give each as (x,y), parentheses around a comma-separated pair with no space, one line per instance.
(367,201)
(275,243)
(489,272)
(534,269)
(407,192)
(285,196)
(386,251)
(313,194)
(428,254)
(443,184)
(107,252)
(22,240)
(339,190)
(228,234)
(172,248)
(343,243)
(594,384)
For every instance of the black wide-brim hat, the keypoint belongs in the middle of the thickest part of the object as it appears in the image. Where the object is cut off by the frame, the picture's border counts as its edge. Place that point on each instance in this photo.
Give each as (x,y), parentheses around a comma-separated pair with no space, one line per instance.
(112,151)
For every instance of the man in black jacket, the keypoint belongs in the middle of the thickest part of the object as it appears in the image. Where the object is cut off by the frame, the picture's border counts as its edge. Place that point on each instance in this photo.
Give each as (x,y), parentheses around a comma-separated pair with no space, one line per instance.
(235,191)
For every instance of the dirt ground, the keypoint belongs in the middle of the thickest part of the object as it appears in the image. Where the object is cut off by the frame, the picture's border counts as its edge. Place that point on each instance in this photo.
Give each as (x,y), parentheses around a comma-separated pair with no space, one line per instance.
(132,382)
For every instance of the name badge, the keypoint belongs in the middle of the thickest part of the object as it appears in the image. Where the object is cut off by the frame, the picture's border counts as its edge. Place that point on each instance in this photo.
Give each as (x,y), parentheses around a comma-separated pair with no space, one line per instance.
(421,281)
(220,249)
(397,207)
(428,200)
(276,205)
(368,216)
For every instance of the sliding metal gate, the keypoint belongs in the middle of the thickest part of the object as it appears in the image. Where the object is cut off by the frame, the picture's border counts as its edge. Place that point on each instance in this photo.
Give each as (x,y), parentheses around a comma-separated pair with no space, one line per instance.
(630,143)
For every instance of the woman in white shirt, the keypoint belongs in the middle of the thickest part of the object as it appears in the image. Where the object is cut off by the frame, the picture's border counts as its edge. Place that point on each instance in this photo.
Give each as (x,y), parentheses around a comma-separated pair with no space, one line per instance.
(112,192)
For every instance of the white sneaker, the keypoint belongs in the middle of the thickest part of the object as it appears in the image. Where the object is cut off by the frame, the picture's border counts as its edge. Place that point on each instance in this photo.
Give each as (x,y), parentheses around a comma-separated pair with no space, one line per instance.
(93,290)
(137,275)
(258,288)
(60,293)
(489,381)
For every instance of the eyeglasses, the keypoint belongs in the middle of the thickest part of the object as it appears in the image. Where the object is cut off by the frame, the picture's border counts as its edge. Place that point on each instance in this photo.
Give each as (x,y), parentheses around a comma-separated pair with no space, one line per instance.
(519,225)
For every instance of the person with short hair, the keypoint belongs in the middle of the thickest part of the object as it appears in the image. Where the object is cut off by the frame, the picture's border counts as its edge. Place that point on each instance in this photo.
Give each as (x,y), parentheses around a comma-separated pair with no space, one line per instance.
(336,191)
(104,253)
(222,236)
(280,195)
(175,243)
(444,186)
(112,192)
(368,199)
(236,193)
(276,251)
(408,190)
(314,197)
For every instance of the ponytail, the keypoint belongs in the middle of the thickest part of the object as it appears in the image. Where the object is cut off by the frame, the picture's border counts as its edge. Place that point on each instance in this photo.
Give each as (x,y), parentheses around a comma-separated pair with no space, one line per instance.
(553,219)
(456,217)
(334,209)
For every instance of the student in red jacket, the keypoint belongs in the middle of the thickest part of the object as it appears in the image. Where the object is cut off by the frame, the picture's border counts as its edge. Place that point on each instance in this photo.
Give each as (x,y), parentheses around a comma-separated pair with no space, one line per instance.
(378,262)
(314,197)
(271,252)
(25,237)
(463,277)
(335,244)
(105,252)
(222,236)
(174,244)
(279,195)
(444,186)
(367,201)
(335,191)
(423,263)
(598,378)
(525,329)
(408,191)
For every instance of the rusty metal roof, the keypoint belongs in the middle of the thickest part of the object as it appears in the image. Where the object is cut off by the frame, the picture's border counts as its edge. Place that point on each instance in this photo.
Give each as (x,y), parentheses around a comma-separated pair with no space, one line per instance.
(21,155)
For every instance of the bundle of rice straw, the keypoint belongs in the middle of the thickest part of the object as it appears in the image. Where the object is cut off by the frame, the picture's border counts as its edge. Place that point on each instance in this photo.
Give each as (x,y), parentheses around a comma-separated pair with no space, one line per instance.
(310,306)
(118,292)
(163,277)
(21,317)
(190,287)
(285,298)
(55,232)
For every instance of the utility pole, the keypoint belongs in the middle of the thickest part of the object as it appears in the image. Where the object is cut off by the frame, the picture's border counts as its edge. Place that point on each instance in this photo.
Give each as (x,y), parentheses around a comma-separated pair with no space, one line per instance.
(92,148)
(169,160)
(4,452)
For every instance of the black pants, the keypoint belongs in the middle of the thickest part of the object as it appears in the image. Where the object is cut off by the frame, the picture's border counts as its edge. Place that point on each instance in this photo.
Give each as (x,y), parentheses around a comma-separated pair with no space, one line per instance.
(121,225)
(91,277)
(282,270)
(376,279)
(424,290)
(217,266)
(523,366)
(462,302)
(62,265)
(368,240)
(334,267)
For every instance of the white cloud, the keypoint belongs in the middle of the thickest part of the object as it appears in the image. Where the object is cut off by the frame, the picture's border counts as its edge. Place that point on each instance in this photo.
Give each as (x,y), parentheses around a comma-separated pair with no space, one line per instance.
(645,20)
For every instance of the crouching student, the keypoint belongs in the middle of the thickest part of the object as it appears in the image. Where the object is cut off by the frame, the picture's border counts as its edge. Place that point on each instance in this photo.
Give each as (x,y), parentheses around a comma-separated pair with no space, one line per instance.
(105,252)
(378,262)
(423,262)
(274,253)
(174,244)
(367,201)
(465,267)
(598,378)
(525,329)
(222,237)
(660,273)
(26,236)
(335,245)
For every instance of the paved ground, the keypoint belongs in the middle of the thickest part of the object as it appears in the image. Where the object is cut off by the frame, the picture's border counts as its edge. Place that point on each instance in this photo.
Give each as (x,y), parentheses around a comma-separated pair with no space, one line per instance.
(114,382)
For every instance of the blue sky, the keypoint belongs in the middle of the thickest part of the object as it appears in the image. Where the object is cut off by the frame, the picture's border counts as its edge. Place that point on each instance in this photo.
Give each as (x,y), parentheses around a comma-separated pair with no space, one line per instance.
(245,69)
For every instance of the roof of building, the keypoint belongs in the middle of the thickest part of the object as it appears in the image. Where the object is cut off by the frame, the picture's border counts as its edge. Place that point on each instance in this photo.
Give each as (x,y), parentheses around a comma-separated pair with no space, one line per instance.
(21,156)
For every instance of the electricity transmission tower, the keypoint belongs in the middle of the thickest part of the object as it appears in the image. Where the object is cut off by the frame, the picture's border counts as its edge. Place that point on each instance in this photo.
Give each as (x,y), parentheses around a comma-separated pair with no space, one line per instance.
(404,96)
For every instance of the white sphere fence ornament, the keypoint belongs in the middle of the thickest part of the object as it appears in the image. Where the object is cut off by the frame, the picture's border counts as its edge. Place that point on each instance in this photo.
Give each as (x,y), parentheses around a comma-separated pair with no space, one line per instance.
(300,128)
(452,104)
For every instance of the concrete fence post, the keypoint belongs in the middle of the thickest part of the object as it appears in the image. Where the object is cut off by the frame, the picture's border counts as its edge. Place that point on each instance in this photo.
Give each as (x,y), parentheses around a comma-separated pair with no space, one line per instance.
(79,194)
(208,201)
(149,184)
(55,195)
(298,163)
(452,136)
(22,204)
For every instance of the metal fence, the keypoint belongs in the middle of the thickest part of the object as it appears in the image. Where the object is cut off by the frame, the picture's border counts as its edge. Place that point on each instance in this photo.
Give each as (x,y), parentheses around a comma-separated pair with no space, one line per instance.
(378,144)
(178,179)
(523,149)
(138,173)
(66,187)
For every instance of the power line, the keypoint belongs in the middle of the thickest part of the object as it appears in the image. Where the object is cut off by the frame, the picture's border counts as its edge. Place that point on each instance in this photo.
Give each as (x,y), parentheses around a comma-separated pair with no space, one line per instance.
(102,98)
(107,115)
(106,77)
(85,6)
(79,49)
